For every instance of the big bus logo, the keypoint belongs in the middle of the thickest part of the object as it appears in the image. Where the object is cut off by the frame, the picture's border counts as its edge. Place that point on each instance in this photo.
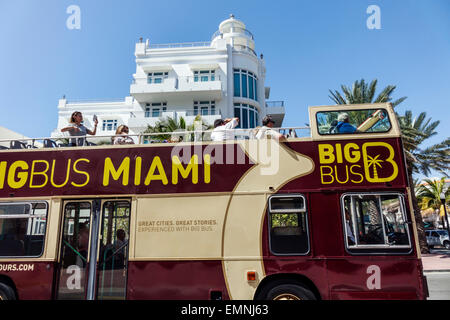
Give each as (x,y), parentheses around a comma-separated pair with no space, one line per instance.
(350,163)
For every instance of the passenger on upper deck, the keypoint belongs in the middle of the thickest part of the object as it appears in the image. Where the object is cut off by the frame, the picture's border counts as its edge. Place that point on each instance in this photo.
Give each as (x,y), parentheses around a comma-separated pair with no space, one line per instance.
(343,125)
(121,136)
(266,130)
(223,129)
(76,129)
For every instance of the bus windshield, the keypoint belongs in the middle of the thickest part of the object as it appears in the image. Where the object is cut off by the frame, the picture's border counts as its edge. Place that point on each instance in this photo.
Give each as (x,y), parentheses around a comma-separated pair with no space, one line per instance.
(353,121)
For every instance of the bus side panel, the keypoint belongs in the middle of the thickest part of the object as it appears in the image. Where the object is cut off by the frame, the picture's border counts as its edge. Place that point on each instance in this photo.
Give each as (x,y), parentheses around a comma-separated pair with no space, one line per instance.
(325,224)
(175,279)
(384,278)
(308,266)
(32,279)
(290,267)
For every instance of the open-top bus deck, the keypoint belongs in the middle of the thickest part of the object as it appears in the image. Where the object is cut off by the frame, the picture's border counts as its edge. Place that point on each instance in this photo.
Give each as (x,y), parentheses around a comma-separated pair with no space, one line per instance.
(327,216)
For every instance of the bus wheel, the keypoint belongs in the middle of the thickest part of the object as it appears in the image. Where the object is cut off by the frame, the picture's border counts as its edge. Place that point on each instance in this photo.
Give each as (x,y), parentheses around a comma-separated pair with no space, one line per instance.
(6,292)
(290,292)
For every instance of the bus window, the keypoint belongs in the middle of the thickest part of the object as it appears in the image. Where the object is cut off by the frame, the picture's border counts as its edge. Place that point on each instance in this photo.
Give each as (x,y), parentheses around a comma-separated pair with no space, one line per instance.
(355,121)
(74,250)
(22,229)
(375,221)
(113,256)
(288,225)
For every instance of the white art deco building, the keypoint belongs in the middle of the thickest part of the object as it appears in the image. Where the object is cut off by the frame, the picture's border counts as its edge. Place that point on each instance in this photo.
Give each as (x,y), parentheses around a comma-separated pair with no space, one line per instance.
(221,78)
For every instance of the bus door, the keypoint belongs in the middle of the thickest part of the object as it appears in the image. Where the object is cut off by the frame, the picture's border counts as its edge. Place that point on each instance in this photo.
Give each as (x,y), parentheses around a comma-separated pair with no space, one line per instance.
(94,250)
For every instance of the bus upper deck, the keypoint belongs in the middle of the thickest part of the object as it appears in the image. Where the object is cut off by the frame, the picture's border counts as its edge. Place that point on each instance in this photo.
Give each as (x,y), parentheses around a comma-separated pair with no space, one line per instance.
(241,219)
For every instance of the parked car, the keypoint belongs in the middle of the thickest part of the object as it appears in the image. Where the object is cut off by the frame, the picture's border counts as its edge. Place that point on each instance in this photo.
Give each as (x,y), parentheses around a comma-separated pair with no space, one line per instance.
(438,238)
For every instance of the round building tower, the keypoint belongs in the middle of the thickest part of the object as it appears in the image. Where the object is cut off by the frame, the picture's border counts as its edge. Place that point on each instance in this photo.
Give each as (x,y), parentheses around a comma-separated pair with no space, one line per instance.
(246,73)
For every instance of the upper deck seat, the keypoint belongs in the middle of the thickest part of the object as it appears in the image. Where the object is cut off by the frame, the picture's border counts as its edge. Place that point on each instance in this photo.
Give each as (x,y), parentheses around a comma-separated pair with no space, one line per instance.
(14,144)
(49,143)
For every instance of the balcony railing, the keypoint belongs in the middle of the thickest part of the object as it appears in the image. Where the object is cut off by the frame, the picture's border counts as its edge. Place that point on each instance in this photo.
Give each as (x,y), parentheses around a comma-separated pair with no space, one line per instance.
(200,112)
(270,104)
(180,45)
(200,78)
(188,79)
(244,48)
(180,112)
(244,31)
(87,101)
(142,138)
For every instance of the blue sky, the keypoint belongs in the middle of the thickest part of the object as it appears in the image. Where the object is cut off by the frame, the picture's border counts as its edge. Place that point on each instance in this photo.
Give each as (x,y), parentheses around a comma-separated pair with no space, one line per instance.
(309,47)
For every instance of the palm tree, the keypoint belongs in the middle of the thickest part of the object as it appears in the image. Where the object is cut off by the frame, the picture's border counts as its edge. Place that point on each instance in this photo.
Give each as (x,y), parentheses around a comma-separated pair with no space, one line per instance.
(429,195)
(168,125)
(362,92)
(414,133)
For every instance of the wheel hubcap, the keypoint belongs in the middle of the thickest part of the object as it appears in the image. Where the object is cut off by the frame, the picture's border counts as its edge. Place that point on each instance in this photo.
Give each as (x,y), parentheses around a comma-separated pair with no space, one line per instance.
(286,296)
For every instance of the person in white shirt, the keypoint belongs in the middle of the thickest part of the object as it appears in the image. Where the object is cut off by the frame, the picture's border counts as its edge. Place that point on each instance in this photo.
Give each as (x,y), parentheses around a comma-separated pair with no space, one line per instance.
(266,130)
(223,129)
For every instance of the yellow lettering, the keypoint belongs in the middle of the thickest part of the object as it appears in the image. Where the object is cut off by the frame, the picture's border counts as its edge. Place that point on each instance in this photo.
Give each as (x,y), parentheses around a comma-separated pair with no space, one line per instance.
(156,164)
(337,176)
(339,153)
(359,174)
(322,174)
(40,173)
(53,173)
(2,173)
(124,169)
(207,169)
(137,171)
(372,164)
(21,175)
(178,167)
(326,153)
(82,172)
(350,156)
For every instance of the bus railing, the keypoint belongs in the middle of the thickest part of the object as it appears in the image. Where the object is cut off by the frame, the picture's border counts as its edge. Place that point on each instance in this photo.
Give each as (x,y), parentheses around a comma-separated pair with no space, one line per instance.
(140,138)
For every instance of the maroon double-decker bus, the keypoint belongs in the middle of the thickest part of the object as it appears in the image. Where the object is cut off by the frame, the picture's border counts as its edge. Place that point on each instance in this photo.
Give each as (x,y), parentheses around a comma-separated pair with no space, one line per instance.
(328,216)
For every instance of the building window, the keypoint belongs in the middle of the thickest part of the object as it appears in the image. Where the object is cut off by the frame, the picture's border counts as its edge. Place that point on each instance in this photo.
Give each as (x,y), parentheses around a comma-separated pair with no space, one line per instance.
(157,77)
(204,75)
(245,84)
(375,223)
(109,125)
(288,225)
(206,108)
(155,109)
(248,115)
(237,85)
(22,229)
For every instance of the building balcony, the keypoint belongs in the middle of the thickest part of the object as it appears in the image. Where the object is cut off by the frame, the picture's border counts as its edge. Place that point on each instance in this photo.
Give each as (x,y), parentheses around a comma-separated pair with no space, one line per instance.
(210,88)
(276,110)
(142,119)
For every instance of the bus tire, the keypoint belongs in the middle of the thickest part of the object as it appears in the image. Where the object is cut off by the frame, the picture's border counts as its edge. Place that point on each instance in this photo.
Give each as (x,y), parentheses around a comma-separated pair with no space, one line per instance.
(6,292)
(289,291)
(447,244)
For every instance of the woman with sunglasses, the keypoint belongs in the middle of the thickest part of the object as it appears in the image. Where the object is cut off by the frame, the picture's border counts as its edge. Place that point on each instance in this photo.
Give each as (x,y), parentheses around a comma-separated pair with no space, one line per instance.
(122,136)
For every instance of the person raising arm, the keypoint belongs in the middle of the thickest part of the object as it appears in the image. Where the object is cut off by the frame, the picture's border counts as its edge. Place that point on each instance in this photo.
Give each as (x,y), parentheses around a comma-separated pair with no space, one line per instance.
(76,129)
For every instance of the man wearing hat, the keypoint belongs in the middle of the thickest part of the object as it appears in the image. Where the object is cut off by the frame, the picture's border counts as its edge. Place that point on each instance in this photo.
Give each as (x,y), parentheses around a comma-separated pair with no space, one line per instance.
(343,126)
(223,129)
(266,130)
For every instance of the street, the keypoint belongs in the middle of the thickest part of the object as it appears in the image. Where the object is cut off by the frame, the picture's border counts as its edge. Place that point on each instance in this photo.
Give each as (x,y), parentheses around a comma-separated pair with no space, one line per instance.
(438,285)
(439,282)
